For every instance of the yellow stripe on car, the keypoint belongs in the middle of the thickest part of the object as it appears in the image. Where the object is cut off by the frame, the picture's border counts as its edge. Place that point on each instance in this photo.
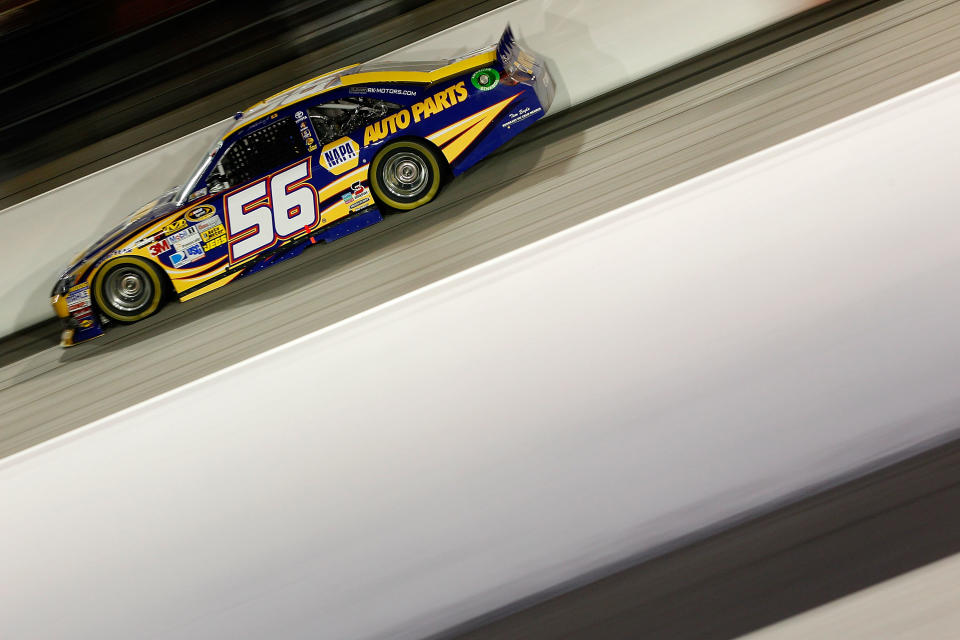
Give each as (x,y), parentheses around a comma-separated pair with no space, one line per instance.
(468,129)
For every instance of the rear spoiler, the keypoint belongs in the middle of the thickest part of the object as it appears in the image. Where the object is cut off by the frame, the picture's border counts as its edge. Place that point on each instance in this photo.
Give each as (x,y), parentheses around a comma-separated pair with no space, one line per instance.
(524,67)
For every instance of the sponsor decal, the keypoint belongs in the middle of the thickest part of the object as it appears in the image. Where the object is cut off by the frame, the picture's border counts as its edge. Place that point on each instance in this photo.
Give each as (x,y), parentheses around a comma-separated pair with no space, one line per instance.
(78,298)
(118,252)
(523,114)
(85,323)
(216,242)
(340,155)
(174,226)
(184,238)
(299,116)
(209,223)
(147,240)
(390,91)
(307,137)
(485,79)
(214,232)
(187,255)
(359,197)
(199,213)
(418,111)
(195,251)
(160,247)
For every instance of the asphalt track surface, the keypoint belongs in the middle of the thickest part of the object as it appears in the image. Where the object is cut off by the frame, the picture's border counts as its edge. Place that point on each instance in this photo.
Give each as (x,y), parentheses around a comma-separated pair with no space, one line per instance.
(574,167)
(567,170)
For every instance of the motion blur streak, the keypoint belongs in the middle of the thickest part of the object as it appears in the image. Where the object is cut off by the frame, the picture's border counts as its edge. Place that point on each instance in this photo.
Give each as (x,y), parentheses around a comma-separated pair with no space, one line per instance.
(584,163)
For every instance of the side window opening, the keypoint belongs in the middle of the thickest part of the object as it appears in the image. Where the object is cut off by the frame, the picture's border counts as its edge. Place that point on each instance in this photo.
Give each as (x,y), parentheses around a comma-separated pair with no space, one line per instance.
(333,120)
(257,153)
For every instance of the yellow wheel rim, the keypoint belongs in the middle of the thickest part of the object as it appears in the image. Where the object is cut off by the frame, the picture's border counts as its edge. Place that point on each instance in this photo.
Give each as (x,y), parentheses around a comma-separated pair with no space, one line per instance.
(155,294)
(404,174)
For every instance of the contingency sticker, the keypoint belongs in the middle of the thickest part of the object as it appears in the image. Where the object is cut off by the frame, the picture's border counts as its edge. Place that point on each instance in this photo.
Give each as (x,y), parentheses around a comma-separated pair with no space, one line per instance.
(359,197)
(187,255)
(78,299)
(211,228)
(183,239)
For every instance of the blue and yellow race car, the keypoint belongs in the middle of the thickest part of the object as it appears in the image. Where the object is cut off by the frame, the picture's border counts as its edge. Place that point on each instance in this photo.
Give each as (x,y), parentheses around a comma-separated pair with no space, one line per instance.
(310,164)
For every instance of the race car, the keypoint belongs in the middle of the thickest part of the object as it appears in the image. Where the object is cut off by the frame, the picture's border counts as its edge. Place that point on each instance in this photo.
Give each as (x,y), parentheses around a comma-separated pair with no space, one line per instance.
(310,164)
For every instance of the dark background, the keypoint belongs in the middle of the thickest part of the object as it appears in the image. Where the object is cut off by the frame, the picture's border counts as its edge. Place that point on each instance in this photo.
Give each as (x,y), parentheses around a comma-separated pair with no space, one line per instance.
(64,60)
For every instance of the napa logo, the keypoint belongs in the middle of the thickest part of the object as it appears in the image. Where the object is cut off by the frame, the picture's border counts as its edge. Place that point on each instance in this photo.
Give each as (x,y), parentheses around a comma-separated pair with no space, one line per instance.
(340,155)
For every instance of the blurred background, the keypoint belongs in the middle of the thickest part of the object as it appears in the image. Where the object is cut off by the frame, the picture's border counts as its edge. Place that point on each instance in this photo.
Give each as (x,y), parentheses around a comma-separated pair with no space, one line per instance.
(64,61)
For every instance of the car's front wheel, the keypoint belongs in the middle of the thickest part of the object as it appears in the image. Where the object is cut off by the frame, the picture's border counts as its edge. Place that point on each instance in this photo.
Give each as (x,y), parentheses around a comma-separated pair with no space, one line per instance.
(127,289)
(405,175)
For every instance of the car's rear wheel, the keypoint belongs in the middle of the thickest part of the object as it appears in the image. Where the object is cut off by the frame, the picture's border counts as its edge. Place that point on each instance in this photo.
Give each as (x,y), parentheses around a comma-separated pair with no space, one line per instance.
(405,175)
(127,289)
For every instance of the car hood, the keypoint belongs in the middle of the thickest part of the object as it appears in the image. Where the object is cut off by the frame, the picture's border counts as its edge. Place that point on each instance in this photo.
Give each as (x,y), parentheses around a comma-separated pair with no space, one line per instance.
(139,219)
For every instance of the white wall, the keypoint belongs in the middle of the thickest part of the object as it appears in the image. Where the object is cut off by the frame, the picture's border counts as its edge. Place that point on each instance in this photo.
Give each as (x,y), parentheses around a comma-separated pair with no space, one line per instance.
(593,46)
(42,235)
(704,351)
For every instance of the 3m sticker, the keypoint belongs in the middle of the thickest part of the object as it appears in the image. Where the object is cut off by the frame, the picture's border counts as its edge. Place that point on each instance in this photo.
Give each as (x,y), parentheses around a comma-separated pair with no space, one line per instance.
(160,247)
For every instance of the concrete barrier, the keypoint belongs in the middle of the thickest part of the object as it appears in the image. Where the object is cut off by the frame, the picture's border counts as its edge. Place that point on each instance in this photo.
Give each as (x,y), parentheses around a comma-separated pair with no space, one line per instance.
(593,46)
(742,337)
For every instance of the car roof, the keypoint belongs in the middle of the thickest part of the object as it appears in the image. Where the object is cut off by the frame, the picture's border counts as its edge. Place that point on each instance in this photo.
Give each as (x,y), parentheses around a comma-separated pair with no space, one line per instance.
(374,72)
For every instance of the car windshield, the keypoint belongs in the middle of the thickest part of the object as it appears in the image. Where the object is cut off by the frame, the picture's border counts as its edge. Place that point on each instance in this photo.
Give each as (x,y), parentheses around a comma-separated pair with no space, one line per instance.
(191,184)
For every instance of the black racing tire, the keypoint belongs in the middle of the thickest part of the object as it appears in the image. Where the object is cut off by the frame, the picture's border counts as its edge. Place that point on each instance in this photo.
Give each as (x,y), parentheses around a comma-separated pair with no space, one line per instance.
(405,174)
(127,289)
